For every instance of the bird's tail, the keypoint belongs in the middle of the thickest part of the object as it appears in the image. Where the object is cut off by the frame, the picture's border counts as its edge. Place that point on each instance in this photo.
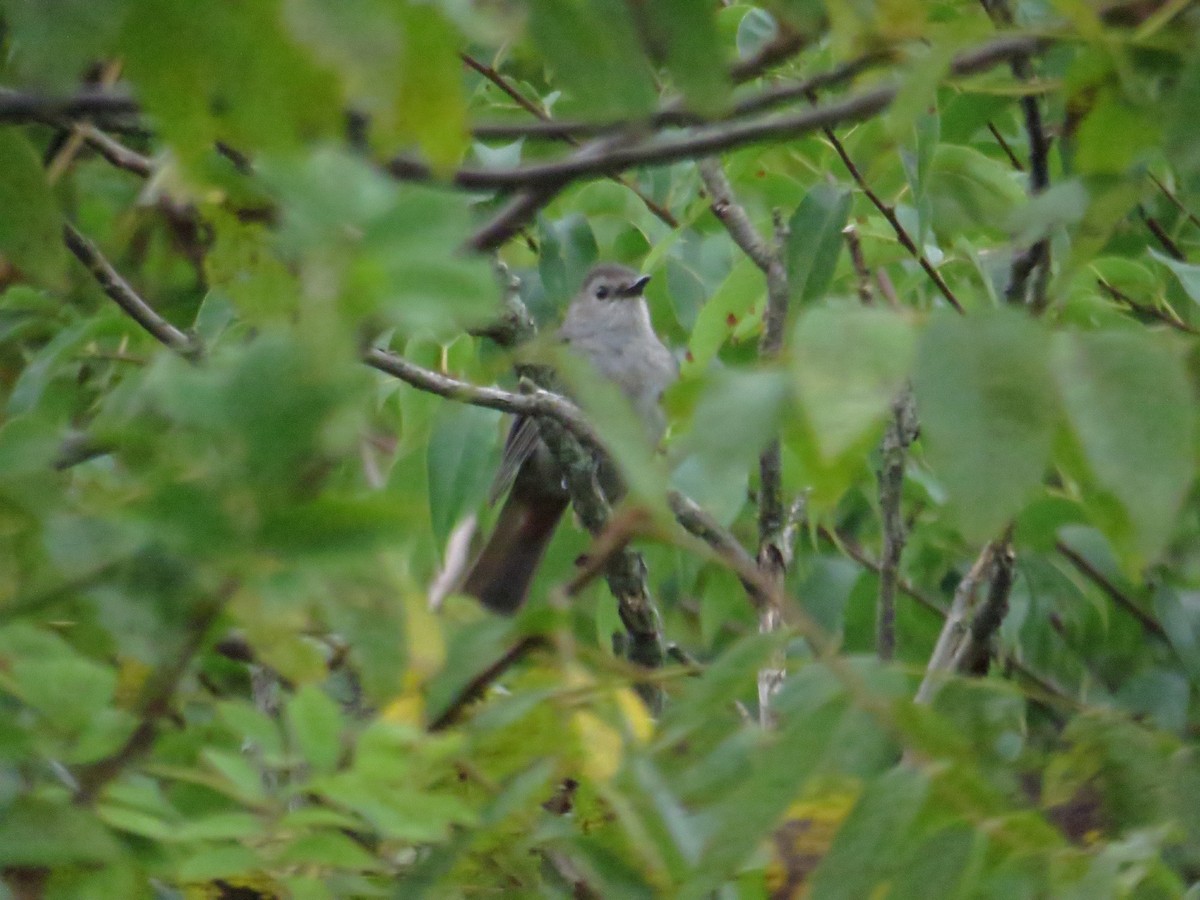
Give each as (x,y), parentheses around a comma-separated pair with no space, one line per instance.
(501,576)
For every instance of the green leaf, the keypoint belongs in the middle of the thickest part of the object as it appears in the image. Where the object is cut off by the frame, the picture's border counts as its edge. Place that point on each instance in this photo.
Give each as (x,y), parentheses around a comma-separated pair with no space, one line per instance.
(222,826)
(410,268)
(431,105)
(328,848)
(939,864)
(233,74)
(987,408)
(219,861)
(67,690)
(31,227)
(242,780)
(36,832)
(1179,614)
(970,191)
(736,416)
(594,51)
(739,294)
(687,32)
(1130,405)
(815,241)
(460,460)
(849,364)
(866,848)
(1188,274)
(1114,135)
(315,724)
(48,364)
(1062,205)
(52,43)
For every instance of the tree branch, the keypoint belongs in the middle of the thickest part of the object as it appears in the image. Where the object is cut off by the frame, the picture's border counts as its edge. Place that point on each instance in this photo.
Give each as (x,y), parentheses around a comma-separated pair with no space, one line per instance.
(675,115)
(119,290)
(537,402)
(1035,258)
(1166,316)
(901,432)
(712,139)
(973,654)
(955,629)
(889,213)
(1120,598)
(19,106)
(774,534)
(851,549)
(533,109)
(156,703)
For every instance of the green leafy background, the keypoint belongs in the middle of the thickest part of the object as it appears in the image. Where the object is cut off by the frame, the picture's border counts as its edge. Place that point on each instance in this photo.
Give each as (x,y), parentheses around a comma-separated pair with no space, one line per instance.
(164,520)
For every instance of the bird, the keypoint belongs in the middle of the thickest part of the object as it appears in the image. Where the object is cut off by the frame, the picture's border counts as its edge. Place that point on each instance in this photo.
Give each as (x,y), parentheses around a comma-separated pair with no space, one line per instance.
(607,324)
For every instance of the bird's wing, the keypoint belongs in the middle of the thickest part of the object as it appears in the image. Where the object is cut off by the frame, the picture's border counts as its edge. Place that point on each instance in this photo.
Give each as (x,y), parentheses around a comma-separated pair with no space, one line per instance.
(522,440)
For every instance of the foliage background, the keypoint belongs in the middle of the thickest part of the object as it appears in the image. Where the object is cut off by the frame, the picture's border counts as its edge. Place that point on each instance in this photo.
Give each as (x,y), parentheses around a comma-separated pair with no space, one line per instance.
(219,666)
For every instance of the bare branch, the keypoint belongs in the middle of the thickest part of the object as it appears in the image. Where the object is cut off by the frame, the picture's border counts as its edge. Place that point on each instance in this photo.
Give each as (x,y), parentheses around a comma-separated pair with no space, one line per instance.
(1120,598)
(774,535)
(861,273)
(956,627)
(480,683)
(856,553)
(537,402)
(900,433)
(973,654)
(1036,258)
(1166,316)
(533,109)
(889,213)
(675,115)
(711,139)
(156,701)
(1160,234)
(119,290)
(732,214)
(512,217)
(1175,201)
(19,106)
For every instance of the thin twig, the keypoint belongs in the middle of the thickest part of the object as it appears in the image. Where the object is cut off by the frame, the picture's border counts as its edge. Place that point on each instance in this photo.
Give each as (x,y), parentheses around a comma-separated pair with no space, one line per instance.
(116,153)
(711,139)
(732,214)
(533,109)
(861,273)
(774,538)
(512,217)
(119,290)
(1036,258)
(900,433)
(1166,316)
(889,213)
(675,115)
(1170,195)
(537,402)
(1120,598)
(956,626)
(156,702)
(1164,240)
(972,655)
(848,546)
(480,682)
(1008,150)
(19,106)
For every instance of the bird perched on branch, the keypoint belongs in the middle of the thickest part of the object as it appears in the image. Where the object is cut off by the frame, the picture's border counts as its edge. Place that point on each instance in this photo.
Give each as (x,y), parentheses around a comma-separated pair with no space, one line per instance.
(608,325)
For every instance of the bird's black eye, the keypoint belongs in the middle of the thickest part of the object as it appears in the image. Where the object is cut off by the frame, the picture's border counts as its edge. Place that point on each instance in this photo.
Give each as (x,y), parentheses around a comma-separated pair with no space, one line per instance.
(602,292)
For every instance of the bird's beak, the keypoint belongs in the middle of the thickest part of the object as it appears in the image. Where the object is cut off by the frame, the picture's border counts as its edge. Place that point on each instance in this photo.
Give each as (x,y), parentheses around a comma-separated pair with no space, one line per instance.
(635,288)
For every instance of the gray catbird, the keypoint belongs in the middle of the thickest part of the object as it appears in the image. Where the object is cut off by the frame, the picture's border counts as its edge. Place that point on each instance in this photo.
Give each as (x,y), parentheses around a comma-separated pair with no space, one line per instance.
(607,324)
